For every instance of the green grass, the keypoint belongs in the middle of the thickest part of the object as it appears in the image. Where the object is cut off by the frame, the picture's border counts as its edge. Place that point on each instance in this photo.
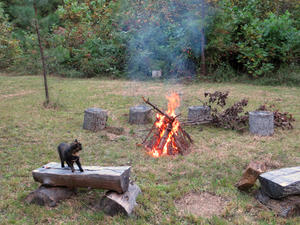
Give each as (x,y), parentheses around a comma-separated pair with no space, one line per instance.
(30,133)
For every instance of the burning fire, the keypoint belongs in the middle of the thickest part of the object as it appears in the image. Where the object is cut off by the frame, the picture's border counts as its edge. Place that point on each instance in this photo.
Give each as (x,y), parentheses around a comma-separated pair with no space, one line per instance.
(167,127)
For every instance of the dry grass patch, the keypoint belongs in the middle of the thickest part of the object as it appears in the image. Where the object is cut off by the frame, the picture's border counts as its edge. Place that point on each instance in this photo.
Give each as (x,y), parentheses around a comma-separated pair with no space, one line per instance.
(202,204)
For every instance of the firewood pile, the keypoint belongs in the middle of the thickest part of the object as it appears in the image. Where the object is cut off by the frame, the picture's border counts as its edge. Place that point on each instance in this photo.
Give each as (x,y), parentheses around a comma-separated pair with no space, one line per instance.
(167,136)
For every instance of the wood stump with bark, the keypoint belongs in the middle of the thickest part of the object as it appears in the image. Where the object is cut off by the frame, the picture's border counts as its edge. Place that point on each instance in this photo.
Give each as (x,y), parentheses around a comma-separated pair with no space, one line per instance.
(285,207)
(250,175)
(140,114)
(49,196)
(94,119)
(113,203)
(198,113)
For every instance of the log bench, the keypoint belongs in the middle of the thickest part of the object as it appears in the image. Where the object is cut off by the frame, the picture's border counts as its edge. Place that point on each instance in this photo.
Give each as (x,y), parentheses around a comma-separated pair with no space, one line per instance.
(60,183)
(110,178)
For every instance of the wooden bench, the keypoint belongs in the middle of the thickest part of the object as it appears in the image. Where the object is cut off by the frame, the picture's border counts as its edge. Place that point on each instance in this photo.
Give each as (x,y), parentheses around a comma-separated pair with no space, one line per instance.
(60,183)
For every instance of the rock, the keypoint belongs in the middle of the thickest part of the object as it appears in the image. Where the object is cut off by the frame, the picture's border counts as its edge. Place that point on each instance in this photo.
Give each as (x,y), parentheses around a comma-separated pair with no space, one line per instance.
(49,196)
(281,183)
(113,203)
(286,207)
(261,123)
(140,114)
(94,119)
(198,113)
(250,175)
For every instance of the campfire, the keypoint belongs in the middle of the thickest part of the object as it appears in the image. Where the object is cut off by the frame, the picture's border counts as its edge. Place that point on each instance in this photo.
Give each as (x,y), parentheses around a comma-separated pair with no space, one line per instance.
(168,137)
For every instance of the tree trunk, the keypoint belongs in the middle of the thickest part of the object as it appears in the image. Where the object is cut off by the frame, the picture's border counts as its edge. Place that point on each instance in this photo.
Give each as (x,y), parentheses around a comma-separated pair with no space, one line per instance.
(110,178)
(41,51)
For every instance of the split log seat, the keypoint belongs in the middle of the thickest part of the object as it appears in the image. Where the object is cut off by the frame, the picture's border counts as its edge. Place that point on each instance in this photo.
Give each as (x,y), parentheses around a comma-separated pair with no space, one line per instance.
(110,178)
(60,183)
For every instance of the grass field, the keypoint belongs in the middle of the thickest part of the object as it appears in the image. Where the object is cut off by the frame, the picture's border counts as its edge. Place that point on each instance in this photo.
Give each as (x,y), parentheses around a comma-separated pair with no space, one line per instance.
(30,133)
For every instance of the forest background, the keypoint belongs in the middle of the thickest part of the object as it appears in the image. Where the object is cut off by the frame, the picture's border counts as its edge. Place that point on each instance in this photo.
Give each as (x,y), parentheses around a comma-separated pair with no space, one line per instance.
(218,40)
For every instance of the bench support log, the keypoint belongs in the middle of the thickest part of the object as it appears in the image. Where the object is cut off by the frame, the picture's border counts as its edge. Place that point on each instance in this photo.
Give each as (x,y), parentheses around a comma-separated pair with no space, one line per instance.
(113,203)
(49,196)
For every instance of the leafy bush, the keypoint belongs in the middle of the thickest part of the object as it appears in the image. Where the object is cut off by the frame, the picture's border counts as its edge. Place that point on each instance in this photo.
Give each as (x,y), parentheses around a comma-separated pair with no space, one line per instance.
(110,38)
(9,47)
(254,39)
(89,38)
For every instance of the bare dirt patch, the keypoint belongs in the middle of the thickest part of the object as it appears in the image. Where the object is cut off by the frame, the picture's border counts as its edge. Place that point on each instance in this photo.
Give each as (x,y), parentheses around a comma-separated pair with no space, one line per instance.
(201,204)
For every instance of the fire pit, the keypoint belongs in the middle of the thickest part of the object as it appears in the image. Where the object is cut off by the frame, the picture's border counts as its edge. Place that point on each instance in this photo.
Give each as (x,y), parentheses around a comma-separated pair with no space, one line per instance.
(168,137)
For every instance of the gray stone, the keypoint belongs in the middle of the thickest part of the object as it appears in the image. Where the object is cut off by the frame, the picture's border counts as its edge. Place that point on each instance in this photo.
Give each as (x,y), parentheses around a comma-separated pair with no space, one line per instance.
(261,123)
(281,183)
(140,114)
(198,113)
(95,119)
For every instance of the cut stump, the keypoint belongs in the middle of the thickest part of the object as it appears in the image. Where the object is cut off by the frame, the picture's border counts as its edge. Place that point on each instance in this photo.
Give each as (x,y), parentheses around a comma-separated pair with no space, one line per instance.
(140,114)
(198,114)
(250,175)
(94,119)
(49,196)
(110,178)
(281,183)
(286,207)
(113,203)
(261,123)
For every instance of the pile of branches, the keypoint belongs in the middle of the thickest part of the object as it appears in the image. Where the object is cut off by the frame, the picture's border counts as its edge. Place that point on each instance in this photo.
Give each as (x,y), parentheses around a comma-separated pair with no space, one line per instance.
(234,116)
(230,118)
(282,120)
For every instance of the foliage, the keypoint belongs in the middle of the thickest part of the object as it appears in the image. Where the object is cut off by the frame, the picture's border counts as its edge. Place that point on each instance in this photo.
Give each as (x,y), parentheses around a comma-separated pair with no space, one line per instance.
(254,38)
(111,38)
(165,35)
(282,120)
(9,47)
(88,41)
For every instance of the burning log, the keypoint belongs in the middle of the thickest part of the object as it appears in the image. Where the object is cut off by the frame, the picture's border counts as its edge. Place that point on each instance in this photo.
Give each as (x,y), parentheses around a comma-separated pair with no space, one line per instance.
(169,138)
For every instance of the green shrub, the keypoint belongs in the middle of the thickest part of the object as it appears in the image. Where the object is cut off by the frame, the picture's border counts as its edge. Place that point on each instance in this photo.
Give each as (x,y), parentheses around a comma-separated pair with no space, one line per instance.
(252,38)
(9,47)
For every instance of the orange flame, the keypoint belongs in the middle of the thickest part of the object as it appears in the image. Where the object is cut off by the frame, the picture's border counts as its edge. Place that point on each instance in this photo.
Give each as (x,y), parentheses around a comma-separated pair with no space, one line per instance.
(165,141)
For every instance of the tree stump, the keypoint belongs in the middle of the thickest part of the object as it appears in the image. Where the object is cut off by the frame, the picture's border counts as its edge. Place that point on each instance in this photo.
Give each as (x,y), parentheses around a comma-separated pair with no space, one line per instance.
(140,114)
(94,119)
(156,73)
(198,113)
(49,196)
(113,203)
(261,123)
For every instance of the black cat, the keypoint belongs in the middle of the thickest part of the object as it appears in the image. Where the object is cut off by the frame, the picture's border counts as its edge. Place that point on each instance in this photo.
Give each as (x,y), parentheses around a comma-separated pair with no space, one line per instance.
(70,154)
